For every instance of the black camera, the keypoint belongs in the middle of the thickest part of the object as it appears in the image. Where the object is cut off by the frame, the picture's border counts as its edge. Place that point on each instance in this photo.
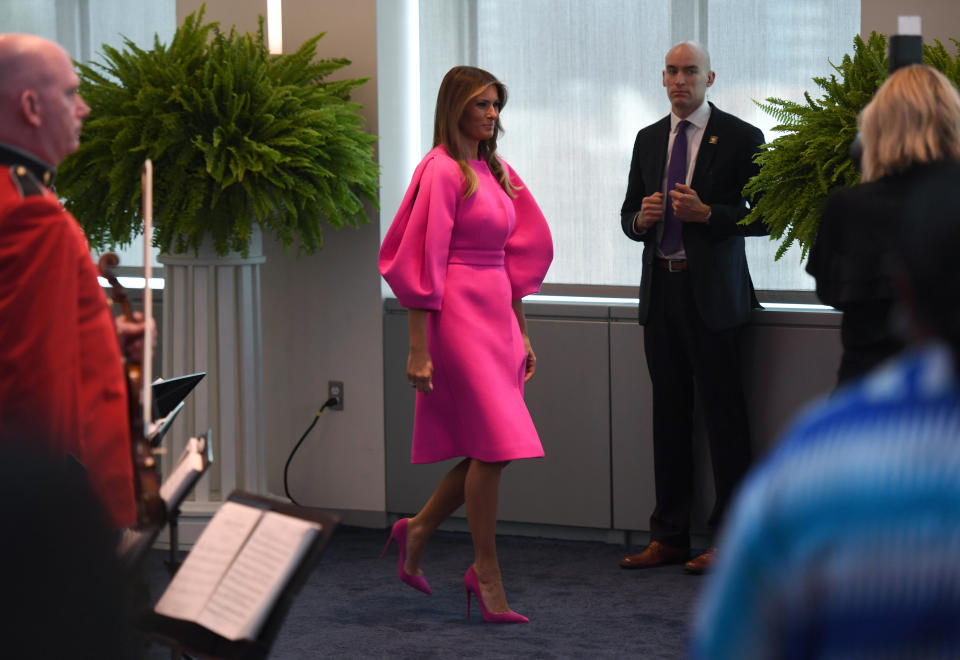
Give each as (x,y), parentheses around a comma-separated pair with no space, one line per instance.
(903,50)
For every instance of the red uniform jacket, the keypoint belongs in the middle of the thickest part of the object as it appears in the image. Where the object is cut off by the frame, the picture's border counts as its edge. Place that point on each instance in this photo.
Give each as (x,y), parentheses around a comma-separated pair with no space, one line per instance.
(62,381)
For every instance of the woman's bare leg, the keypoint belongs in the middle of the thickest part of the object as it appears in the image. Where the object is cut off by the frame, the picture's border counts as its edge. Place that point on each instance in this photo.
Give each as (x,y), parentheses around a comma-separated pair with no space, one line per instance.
(482,493)
(446,499)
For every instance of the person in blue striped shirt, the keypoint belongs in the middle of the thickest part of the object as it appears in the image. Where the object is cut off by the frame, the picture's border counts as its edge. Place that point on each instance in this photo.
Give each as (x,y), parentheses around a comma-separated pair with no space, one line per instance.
(845,541)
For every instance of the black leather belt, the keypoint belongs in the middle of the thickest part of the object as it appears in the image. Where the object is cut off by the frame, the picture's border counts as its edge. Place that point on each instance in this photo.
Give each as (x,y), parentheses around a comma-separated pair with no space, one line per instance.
(672,265)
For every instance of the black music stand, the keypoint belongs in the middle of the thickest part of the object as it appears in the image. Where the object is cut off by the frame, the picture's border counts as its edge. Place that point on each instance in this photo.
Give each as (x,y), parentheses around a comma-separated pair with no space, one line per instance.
(179,483)
(204,449)
(168,393)
(169,397)
(191,639)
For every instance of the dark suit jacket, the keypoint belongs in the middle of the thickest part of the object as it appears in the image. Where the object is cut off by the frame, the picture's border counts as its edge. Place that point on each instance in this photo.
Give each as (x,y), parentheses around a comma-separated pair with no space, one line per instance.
(717,263)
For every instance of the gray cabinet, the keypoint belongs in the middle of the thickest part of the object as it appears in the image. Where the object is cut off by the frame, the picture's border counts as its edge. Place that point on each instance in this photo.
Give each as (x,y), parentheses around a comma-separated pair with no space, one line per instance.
(590,401)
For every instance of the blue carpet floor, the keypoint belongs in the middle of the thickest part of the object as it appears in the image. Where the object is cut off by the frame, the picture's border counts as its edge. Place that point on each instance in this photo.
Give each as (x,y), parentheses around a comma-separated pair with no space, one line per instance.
(580,603)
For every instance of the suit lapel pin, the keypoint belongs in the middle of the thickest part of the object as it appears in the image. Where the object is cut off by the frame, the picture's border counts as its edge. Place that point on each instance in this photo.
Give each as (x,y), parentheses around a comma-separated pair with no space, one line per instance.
(713,139)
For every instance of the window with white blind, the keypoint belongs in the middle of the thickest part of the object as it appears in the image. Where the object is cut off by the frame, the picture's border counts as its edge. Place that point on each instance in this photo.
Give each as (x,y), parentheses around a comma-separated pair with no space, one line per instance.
(584,77)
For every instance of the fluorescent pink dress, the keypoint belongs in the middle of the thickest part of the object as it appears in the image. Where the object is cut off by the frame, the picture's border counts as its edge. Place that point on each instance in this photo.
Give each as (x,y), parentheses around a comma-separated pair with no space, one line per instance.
(466,260)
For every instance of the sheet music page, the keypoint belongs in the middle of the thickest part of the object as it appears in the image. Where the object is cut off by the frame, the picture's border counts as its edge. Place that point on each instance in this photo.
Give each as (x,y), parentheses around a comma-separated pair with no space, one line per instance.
(246,595)
(208,561)
(175,487)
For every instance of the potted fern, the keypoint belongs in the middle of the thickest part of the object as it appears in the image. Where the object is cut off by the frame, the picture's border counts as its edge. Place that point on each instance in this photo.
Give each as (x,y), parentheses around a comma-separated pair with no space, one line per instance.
(243,143)
(239,139)
(811,157)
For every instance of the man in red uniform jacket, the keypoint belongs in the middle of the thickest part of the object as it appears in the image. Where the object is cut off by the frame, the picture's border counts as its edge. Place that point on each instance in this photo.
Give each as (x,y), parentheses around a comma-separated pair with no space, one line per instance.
(62,382)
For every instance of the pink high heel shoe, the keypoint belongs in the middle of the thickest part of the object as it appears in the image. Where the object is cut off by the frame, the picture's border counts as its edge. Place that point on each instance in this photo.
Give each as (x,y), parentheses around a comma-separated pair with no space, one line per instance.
(399,534)
(470,583)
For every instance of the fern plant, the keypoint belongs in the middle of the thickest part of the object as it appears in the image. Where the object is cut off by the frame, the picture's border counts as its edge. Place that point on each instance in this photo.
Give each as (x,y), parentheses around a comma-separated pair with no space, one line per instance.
(811,157)
(237,136)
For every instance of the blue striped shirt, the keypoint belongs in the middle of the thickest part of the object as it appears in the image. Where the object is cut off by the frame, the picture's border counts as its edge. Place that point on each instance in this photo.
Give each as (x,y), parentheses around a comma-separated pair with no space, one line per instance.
(845,541)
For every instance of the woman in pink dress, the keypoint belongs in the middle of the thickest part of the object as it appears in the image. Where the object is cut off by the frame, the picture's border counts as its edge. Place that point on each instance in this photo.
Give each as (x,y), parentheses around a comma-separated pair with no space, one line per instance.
(468,243)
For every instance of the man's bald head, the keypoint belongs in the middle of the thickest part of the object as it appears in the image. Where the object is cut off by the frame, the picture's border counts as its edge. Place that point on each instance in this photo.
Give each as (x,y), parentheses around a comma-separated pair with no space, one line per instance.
(696,49)
(40,109)
(686,75)
(25,61)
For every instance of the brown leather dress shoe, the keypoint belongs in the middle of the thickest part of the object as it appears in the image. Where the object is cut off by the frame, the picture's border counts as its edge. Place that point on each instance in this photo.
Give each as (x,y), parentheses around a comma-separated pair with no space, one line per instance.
(656,554)
(701,563)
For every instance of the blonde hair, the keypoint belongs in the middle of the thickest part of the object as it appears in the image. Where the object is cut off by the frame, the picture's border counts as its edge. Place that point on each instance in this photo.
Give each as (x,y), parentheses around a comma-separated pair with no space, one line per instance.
(460,86)
(914,118)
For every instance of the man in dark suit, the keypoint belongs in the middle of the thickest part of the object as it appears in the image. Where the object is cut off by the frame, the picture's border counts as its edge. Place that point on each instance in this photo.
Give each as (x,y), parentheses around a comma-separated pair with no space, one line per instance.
(683,203)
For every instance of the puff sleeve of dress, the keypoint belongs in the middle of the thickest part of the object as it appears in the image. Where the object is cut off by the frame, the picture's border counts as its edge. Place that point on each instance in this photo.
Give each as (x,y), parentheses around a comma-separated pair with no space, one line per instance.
(414,253)
(529,249)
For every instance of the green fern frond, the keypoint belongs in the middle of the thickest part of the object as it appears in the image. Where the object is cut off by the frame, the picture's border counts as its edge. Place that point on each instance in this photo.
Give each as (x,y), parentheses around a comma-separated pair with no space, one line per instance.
(800,167)
(237,136)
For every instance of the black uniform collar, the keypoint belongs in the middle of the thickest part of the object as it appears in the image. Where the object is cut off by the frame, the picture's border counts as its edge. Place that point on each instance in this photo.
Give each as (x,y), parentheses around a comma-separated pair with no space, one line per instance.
(12,156)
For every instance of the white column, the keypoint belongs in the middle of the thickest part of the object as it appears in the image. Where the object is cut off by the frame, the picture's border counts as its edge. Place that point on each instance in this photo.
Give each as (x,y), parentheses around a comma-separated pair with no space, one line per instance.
(398,94)
(211,323)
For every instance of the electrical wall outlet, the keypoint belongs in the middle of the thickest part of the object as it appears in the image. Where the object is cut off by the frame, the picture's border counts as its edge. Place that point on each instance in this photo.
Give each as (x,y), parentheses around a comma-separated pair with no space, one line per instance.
(335,391)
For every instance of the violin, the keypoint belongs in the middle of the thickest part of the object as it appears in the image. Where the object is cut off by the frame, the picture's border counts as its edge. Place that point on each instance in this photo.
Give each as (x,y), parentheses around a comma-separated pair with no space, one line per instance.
(151,509)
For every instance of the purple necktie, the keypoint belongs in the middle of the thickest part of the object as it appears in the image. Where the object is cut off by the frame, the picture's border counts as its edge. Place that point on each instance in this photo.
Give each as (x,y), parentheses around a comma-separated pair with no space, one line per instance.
(676,173)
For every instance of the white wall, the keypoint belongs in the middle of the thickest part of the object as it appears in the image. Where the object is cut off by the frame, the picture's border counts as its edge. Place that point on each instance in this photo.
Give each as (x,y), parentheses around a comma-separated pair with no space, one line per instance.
(322,315)
(242,13)
(941,18)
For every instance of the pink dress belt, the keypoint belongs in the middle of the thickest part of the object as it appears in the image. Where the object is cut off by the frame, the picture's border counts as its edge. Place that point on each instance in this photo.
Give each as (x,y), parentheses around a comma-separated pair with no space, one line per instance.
(475,257)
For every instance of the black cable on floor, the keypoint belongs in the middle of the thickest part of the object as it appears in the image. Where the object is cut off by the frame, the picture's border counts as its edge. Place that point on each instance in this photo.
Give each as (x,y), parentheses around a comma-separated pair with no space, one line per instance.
(329,402)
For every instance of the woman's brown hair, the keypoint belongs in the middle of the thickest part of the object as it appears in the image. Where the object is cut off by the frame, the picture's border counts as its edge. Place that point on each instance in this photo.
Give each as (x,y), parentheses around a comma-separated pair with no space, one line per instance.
(461,85)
